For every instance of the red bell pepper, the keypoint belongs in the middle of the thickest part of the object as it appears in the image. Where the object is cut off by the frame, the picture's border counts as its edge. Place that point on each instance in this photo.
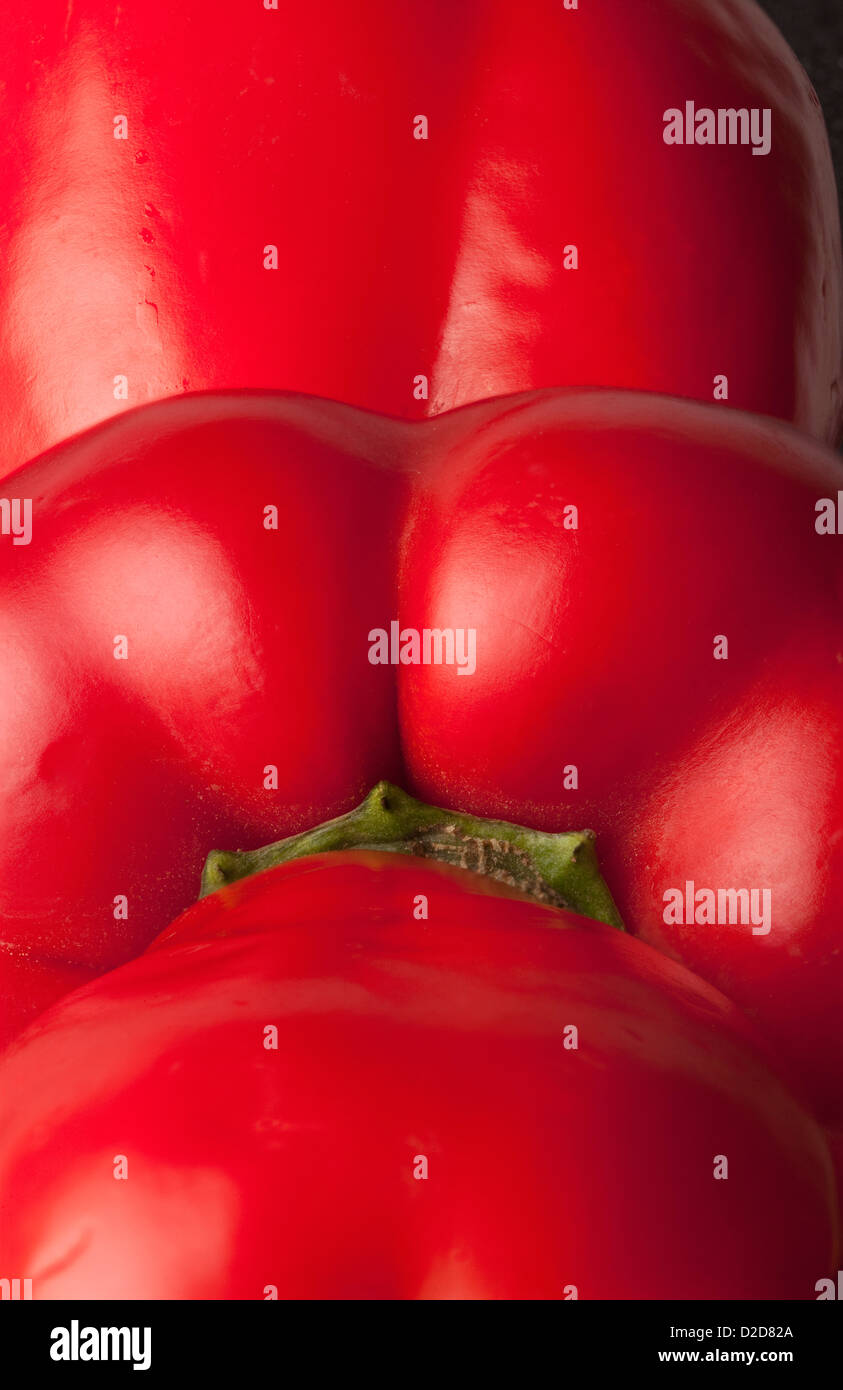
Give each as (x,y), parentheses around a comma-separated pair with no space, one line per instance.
(199,643)
(362,1075)
(214,194)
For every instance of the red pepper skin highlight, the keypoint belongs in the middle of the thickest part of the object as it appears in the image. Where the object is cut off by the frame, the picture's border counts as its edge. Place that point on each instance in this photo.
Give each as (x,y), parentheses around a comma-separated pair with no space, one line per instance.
(420,1126)
(134,268)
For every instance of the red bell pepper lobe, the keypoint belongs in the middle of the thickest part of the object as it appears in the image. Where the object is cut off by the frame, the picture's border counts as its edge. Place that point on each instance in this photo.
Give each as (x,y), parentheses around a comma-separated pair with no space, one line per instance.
(409,207)
(368,1075)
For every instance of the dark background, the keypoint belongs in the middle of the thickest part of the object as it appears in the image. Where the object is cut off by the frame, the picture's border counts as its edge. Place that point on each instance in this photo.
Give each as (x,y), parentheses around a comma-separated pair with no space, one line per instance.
(814,30)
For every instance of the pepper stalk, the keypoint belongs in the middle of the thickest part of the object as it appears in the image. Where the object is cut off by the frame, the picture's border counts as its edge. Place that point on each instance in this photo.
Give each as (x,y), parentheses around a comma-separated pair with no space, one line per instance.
(558,868)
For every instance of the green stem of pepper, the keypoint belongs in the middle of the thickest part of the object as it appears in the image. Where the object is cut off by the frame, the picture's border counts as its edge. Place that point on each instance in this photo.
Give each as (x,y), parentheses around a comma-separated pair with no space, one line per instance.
(556,868)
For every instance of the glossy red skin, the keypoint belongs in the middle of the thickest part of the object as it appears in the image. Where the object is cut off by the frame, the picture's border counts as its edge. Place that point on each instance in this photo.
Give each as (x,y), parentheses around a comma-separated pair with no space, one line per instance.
(401,257)
(548,1167)
(595,648)
(598,653)
(29,984)
(245,649)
